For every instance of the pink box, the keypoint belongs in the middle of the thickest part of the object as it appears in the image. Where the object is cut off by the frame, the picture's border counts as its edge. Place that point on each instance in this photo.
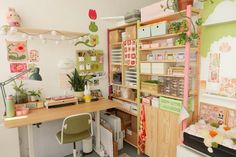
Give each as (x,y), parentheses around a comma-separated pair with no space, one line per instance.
(155,45)
(154,11)
(145,46)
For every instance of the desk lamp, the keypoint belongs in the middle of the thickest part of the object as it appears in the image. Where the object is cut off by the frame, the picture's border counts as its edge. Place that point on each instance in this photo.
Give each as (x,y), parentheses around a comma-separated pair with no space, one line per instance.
(34,76)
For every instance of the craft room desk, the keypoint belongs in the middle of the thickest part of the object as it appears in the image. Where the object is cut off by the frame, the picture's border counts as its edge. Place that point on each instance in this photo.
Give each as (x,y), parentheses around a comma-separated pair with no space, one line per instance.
(44,115)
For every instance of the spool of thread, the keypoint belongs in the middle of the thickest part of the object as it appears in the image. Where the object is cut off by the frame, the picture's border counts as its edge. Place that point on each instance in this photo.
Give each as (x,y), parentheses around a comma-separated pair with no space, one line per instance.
(10,106)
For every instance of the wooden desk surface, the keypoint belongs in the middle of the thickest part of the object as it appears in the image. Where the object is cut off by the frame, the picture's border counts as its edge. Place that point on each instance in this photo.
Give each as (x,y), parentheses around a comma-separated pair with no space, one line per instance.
(43,115)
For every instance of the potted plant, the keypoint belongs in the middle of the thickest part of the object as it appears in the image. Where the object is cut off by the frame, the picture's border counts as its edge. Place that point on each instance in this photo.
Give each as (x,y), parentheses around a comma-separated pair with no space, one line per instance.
(21,93)
(34,95)
(178,5)
(77,83)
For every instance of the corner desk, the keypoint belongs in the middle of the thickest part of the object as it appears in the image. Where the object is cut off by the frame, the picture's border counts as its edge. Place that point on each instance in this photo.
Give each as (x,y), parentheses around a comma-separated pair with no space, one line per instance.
(44,115)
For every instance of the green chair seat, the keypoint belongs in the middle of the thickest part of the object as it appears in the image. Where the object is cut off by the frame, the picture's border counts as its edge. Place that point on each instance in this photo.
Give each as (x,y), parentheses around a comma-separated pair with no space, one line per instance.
(70,138)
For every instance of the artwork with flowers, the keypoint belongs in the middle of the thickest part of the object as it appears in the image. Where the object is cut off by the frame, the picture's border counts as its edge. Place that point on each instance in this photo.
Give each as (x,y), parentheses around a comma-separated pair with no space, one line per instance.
(33,56)
(18,67)
(17,50)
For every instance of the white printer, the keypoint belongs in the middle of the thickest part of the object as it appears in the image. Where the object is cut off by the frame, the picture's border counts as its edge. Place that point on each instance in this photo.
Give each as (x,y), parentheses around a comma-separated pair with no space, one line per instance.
(115,124)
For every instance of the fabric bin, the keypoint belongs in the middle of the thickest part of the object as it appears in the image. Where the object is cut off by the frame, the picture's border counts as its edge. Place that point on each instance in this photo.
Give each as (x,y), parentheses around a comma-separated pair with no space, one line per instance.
(144,32)
(159,68)
(159,29)
(145,68)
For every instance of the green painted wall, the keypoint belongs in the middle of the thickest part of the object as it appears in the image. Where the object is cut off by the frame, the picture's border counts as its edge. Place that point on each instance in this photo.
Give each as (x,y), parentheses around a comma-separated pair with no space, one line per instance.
(214,32)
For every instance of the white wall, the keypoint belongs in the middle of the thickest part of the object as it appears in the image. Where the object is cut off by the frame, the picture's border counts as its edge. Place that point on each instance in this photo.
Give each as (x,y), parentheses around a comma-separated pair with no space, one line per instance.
(69,15)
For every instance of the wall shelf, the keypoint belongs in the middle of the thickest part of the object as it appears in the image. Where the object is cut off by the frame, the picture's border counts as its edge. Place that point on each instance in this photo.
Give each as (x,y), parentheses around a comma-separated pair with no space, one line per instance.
(125,99)
(163,61)
(163,48)
(172,17)
(160,37)
(163,95)
(160,75)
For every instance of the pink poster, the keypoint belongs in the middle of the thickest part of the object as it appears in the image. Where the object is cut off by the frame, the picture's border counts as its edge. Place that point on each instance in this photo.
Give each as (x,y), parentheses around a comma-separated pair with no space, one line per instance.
(18,67)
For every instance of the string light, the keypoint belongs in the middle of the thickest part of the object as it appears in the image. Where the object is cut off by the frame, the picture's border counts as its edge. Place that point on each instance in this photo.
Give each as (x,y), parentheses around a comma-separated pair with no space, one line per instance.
(44,35)
(24,35)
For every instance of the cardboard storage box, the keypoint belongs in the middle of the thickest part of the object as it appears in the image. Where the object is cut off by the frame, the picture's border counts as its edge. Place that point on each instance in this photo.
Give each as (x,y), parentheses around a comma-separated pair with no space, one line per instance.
(159,29)
(154,11)
(144,32)
(115,36)
(150,87)
(131,32)
(131,136)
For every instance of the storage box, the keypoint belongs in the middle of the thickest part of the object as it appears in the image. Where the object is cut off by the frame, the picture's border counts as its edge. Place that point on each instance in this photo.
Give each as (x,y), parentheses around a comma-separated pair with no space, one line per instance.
(150,87)
(159,68)
(145,68)
(145,46)
(131,32)
(144,32)
(159,29)
(154,11)
(131,136)
(133,123)
(171,105)
(135,15)
(115,36)
(155,45)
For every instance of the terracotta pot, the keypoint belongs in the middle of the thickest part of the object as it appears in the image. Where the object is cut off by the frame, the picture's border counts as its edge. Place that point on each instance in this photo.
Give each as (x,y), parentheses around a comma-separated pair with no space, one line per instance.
(182,4)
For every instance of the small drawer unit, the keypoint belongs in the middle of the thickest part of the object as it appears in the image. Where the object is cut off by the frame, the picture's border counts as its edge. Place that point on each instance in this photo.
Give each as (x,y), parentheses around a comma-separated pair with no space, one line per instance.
(159,29)
(144,32)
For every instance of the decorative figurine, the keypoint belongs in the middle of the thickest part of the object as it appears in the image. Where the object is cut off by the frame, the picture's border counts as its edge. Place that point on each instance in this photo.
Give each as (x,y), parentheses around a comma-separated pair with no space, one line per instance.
(13,19)
(87,93)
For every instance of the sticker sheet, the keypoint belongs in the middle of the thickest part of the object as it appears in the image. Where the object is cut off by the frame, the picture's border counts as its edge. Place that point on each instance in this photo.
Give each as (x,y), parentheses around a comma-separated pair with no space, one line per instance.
(212,113)
(130,52)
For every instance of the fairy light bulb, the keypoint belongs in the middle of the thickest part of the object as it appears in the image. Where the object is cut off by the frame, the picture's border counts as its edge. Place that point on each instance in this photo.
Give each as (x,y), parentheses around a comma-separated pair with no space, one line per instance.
(41,36)
(44,41)
(57,42)
(13,30)
(24,35)
(30,37)
(62,37)
(53,32)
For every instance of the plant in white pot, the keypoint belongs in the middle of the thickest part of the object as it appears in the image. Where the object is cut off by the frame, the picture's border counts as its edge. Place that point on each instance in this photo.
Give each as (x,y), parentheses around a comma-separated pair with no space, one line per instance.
(77,83)
(34,95)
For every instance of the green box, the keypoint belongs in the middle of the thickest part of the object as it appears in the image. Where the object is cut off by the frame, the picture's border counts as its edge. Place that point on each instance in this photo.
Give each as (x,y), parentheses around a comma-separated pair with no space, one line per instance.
(173,105)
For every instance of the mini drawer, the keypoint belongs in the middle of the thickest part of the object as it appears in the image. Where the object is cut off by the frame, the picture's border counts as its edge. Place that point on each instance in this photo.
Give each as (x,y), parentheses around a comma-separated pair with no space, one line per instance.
(159,29)
(144,32)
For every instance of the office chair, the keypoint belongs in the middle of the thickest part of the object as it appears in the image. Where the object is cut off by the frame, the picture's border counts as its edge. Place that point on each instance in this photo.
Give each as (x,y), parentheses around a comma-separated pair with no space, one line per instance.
(75,128)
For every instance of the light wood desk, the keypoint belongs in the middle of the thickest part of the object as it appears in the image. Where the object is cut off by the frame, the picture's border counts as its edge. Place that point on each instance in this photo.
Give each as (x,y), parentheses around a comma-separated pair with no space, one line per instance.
(44,115)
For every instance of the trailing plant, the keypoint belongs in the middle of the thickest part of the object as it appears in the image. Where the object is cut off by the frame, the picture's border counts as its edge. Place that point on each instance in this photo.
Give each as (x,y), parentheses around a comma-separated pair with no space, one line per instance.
(77,81)
(173,4)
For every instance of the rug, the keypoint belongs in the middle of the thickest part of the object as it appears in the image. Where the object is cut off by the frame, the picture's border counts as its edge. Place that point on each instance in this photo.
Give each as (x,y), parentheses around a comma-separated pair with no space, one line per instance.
(124,155)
